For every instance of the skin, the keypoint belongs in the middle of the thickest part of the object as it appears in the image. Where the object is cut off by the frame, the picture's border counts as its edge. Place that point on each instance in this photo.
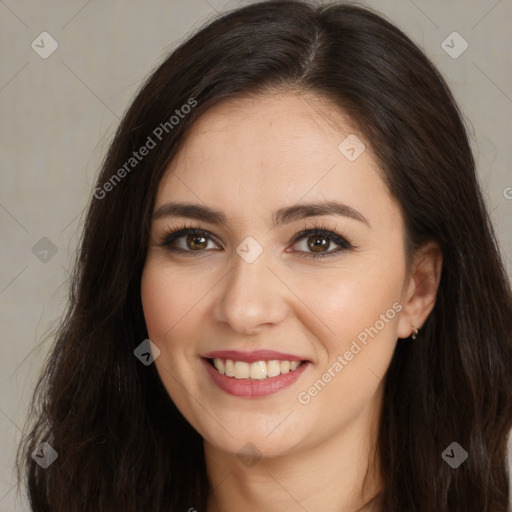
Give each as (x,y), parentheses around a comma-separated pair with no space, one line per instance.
(249,157)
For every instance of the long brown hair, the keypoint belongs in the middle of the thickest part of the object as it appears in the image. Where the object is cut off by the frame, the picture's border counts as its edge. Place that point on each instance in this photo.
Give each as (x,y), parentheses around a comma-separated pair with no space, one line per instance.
(121,442)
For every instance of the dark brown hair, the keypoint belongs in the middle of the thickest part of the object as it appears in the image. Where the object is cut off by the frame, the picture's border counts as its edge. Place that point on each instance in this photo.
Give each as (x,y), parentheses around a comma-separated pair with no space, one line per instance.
(122,443)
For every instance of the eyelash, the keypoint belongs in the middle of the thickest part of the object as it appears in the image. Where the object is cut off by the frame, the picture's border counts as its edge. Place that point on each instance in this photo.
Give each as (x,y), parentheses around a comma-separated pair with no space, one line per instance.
(321,231)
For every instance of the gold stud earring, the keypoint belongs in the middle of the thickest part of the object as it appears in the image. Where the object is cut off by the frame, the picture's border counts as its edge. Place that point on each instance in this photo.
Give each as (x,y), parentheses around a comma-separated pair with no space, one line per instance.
(414,332)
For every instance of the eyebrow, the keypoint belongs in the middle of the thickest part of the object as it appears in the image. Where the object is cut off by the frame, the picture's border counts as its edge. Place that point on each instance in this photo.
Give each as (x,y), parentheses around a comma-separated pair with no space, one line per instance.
(282,216)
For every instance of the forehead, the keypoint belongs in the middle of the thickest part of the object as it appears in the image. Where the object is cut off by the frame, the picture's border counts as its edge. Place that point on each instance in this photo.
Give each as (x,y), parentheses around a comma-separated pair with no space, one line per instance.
(261,153)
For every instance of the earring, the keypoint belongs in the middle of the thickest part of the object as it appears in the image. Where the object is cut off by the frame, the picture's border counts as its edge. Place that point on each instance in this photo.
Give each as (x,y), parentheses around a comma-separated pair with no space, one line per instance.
(414,332)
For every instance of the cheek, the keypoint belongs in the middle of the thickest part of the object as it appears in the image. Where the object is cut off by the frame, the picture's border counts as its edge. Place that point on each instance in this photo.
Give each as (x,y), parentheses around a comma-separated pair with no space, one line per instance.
(348,302)
(358,342)
(165,311)
(159,302)
(359,309)
(171,302)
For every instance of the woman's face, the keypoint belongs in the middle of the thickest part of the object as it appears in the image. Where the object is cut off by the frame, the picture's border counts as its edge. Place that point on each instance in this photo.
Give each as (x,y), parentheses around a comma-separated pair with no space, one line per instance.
(250,284)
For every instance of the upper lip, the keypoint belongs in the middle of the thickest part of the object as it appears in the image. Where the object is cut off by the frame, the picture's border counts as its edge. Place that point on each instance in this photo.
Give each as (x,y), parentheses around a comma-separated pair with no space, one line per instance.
(251,357)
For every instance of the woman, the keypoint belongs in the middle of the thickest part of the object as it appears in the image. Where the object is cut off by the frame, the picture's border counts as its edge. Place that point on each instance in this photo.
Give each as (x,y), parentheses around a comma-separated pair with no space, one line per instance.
(341,339)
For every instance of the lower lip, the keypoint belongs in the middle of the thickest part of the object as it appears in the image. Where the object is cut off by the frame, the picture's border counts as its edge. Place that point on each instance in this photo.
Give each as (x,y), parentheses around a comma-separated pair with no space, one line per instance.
(253,388)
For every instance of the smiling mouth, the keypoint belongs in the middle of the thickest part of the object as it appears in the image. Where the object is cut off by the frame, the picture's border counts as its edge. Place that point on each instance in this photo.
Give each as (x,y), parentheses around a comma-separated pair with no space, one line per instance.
(258,370)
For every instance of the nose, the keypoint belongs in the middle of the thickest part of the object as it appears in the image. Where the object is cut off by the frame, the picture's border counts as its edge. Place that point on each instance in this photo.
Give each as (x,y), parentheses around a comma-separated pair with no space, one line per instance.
(251,296)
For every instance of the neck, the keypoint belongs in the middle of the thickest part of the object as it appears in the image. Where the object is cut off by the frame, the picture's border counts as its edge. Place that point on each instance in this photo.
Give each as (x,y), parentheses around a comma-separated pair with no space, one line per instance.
(341,474)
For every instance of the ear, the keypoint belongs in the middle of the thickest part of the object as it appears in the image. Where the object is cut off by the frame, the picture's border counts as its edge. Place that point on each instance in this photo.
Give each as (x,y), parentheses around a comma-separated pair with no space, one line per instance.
(420,288)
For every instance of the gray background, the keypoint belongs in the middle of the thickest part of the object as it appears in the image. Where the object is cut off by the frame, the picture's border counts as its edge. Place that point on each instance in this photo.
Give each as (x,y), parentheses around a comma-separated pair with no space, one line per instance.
(58,115)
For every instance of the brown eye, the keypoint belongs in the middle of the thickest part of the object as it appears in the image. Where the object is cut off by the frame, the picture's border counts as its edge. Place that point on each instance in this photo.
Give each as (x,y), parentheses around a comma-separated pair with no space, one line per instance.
(314,243)
(188,240)
(318,244)
(196,242)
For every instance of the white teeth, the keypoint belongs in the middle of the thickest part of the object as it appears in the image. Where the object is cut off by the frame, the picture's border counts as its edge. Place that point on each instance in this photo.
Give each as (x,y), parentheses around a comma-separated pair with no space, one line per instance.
(229,368)
(258,370)
(273,368)
(242,370)
(219,364)
(285,366)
